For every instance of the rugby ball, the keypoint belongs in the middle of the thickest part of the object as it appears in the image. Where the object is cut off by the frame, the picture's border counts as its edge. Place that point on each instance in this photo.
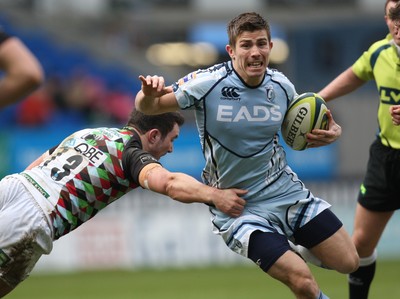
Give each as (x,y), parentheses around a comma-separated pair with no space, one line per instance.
(305,113)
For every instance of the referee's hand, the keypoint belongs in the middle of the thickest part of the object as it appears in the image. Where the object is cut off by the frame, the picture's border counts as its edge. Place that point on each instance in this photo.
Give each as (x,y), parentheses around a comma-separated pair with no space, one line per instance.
(395,113)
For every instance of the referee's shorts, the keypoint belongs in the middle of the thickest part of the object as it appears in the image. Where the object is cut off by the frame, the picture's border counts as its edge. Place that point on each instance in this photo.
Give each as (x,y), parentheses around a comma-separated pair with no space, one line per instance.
(380,190)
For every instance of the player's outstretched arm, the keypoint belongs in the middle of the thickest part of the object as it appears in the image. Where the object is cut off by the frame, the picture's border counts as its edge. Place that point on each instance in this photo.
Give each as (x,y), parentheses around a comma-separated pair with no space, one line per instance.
(22,71)
(343,84)
(154,97)
(186,189)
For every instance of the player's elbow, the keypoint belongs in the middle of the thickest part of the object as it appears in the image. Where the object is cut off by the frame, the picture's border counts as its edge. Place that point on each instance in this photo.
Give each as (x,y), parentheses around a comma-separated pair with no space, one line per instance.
(146,105)
(28,80)
(139,102)
(34,78)
(170,188)
(177,190)
(146,109)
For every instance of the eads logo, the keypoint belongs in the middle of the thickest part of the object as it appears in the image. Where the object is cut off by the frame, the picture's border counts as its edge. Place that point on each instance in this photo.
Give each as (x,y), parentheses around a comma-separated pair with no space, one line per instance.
(230,93)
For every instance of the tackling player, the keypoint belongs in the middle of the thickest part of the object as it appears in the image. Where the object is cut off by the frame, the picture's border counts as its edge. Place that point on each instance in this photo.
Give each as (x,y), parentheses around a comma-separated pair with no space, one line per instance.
(87,171)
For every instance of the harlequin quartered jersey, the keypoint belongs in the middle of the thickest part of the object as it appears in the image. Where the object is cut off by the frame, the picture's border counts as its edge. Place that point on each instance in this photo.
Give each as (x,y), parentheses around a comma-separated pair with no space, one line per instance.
(238,125)
(382,63)
(86,177)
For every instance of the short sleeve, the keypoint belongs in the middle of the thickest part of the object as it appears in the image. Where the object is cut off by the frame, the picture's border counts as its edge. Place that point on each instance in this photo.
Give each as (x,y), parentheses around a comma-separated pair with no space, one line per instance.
(133,161)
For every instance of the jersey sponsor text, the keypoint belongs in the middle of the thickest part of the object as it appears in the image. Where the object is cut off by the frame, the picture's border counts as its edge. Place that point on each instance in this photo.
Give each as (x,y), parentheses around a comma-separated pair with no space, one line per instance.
(226,113)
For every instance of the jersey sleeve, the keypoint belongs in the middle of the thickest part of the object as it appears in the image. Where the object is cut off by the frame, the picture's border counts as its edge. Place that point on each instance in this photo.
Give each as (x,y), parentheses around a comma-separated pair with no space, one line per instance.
(363,68)
(133,161)
(191,89)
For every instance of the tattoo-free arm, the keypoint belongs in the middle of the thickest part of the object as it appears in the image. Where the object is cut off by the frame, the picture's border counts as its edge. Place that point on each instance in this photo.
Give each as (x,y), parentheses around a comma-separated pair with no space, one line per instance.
(343,84)
(186,189)
(154,97)
(22,71)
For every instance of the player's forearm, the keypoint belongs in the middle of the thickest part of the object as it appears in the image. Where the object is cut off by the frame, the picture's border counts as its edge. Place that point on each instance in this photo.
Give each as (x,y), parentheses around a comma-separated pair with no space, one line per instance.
(146,104)
(345,83)
(186,189)
(178,186)
(23,72)
(13,88)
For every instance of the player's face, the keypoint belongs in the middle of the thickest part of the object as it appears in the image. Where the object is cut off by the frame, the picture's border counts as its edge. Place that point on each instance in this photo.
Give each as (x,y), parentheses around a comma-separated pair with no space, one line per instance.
(396,32)
(163,146)
(393,26)
(250,55)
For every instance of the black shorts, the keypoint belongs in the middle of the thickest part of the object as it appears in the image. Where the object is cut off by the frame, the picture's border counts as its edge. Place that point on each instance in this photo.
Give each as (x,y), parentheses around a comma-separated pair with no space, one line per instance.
(379,191)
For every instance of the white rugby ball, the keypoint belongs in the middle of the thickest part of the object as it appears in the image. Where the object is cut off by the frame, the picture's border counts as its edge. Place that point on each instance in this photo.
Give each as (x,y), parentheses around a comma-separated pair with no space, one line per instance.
(305,113)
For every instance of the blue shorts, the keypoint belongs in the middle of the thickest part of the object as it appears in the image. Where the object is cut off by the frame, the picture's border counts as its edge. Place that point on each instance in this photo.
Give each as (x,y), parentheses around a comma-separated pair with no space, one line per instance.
(284,211)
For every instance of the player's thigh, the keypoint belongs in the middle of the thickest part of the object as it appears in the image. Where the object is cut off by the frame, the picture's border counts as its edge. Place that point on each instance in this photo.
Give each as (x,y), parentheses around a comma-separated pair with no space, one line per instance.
(338,252)
(368,228)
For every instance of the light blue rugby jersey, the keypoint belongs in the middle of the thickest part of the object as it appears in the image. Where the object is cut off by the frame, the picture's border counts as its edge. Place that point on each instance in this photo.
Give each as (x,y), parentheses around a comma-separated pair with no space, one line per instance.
(238,125)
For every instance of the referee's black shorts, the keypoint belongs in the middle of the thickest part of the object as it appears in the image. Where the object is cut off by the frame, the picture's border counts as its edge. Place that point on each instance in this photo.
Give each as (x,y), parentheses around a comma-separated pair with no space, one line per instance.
(380,190)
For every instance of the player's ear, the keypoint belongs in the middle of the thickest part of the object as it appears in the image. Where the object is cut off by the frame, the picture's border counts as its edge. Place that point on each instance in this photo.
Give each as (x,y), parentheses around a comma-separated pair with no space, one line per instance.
(153,136)
(230,51)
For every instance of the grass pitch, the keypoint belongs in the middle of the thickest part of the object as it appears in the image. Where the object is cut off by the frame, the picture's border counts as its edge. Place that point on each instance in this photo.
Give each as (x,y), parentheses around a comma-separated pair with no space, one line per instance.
(198,283)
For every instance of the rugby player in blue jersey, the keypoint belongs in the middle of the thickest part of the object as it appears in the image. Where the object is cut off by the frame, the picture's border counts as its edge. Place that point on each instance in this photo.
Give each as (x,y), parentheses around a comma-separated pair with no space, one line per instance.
(239,107)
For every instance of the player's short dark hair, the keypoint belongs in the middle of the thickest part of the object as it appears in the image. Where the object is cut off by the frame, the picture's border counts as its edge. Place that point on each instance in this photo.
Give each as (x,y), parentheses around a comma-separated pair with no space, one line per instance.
(394,12)
(163,122)
(248,21)
(387,2)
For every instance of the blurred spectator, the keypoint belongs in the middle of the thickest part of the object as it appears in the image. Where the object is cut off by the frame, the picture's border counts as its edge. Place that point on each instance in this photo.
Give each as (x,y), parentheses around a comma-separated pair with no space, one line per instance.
(84,93)
(55,87)
(81,98)
(36,109)
(22,71)
(116,104)
(77,92)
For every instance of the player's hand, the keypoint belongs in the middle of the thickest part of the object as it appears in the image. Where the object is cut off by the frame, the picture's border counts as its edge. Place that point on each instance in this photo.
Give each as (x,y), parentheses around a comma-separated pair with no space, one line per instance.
(229,201)
(395,113)
(154,86)
(320,137)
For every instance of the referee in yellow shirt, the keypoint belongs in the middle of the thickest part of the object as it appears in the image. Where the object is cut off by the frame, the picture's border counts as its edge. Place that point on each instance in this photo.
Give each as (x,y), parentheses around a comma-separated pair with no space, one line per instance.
(379,196)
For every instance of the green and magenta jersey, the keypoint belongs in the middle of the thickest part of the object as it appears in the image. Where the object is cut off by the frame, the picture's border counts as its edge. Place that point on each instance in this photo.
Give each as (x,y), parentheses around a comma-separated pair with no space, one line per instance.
(86,172)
